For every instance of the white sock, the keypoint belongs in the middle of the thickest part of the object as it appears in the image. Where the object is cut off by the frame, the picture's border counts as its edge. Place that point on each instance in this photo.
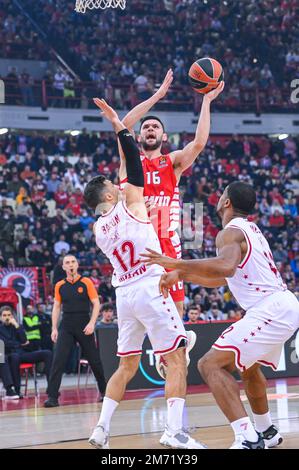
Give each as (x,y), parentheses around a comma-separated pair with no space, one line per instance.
(175,409)
(108,408)
(245,427)
(262,422)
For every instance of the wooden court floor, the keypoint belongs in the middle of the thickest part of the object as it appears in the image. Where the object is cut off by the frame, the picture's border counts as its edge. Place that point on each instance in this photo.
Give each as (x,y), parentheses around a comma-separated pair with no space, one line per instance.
(138,423)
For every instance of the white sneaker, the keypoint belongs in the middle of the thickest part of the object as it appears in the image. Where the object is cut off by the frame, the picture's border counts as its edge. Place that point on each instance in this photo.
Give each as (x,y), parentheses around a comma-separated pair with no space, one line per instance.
(191,340)
(242,443)
(180,440)
(99,438)
(161,362)
(272,437)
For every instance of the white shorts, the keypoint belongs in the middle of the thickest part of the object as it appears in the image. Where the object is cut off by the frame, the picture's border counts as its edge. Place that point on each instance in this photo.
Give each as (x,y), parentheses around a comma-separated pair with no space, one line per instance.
(261,334)
(140,310)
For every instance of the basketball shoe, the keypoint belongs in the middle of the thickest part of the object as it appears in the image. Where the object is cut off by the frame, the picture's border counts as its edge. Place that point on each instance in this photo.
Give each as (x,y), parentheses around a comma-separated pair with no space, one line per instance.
(179,440)
(272,437)
(99,438)
(161,362)
(242,443)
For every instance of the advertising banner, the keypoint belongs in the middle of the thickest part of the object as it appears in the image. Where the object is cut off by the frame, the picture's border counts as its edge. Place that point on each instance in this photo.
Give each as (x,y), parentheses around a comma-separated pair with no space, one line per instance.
(147,376)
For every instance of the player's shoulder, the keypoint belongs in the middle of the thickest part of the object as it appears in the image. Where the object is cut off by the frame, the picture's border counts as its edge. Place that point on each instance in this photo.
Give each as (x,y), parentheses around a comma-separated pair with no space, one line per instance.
(228,235)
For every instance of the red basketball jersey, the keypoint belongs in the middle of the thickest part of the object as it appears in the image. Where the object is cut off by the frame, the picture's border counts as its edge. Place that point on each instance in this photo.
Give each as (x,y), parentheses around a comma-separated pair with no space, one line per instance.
(161,194)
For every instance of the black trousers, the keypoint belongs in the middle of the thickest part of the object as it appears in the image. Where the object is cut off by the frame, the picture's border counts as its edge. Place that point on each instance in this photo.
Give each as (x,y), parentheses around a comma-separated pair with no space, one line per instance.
(15,359)
(70,330)
(5,374)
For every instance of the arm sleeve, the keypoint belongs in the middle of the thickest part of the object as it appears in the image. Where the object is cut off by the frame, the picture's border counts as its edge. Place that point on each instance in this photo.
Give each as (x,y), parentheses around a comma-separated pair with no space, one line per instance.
(57,295)
(133,162)
(91,290)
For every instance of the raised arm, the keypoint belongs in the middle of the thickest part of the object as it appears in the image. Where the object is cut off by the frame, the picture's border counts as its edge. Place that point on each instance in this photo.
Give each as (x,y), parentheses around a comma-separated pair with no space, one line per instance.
(141,109)
(138,112)
(183,159)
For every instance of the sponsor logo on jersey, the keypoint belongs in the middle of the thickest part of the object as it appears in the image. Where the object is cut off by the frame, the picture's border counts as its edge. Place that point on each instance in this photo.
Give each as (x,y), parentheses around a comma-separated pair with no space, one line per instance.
(152,201)
(162,161)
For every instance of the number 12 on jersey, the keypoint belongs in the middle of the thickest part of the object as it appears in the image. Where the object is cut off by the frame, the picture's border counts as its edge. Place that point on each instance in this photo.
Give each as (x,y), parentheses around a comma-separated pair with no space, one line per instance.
(126,246)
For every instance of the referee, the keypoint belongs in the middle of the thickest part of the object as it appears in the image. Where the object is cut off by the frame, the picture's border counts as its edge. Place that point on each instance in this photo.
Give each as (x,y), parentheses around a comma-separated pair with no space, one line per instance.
(75,294)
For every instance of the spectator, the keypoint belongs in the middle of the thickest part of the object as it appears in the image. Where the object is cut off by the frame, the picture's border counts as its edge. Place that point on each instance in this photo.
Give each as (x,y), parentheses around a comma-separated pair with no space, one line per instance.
(60,78)
(142,86)
(214,314)
(26,83)
(6,377)
(61,246)
(107,314)
(14,338)
(31,324)
(194,315)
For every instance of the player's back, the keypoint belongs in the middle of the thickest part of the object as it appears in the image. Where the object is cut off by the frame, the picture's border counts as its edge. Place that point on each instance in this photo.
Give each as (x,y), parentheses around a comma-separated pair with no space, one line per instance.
(257,276)
(122,237)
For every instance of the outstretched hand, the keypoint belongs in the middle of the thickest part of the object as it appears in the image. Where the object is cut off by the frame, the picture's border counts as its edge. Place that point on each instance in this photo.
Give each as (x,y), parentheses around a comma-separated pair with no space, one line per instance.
(107,111)
(214,93)
(161,92)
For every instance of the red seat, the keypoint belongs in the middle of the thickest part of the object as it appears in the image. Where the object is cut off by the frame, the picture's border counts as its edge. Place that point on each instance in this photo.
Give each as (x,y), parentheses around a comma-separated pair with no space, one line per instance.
(26,367)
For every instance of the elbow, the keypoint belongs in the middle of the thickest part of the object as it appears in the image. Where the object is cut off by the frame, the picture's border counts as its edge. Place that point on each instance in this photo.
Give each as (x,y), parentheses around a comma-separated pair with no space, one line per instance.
(198,147)
(126,122)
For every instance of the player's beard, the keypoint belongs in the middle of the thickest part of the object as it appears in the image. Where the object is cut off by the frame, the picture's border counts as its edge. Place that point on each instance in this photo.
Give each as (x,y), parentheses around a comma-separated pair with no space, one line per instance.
(148,147)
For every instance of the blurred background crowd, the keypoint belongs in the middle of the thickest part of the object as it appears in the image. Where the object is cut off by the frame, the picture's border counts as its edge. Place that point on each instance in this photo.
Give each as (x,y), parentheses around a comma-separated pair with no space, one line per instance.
(43,215)
(122,55)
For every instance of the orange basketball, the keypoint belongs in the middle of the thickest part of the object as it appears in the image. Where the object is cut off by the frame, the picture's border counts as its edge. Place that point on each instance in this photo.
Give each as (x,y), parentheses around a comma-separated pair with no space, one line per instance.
(205,75)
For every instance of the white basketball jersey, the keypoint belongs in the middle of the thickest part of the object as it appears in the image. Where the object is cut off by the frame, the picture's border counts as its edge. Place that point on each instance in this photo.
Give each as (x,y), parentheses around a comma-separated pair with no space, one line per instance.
(257,276)
(122,237)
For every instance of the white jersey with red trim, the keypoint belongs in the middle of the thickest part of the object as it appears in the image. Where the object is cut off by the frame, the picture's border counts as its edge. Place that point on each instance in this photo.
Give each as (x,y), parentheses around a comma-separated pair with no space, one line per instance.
(257,276)
(122,237)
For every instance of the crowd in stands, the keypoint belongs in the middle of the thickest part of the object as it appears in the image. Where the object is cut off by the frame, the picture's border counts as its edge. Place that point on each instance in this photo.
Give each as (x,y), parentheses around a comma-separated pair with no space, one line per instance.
(43,215)
(124,54)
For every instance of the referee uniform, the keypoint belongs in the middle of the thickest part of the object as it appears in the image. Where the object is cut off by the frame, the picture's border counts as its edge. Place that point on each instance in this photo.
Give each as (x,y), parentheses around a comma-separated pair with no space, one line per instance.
(75,297)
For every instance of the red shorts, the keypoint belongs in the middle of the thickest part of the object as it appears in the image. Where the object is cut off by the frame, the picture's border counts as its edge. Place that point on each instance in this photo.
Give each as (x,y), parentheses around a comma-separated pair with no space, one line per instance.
(172,247)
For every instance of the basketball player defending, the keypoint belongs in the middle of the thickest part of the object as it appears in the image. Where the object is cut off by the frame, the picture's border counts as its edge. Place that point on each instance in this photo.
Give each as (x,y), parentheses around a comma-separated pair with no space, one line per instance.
(122,232)
(245,263)
(162,174)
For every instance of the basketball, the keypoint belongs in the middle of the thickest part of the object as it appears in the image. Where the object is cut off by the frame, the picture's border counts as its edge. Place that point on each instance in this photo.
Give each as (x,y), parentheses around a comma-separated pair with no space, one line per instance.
(205,75)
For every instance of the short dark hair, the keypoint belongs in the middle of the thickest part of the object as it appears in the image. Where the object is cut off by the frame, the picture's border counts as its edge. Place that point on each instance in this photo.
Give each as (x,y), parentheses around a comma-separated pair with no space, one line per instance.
(93,191)
(106,307)
(6,307)
(242,196)
(147,118)
(192,307)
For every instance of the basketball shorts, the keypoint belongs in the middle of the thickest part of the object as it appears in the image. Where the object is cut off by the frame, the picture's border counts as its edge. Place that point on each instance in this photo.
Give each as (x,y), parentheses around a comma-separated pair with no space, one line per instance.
(172,247)
(142,309)
(261,334)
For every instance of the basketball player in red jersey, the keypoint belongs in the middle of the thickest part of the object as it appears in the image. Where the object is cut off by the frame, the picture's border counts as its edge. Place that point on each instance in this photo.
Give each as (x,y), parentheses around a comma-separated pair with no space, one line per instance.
(162,172)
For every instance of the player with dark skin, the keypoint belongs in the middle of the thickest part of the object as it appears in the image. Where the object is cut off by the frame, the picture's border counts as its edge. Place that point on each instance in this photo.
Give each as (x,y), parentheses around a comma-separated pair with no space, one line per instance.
(216,366)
